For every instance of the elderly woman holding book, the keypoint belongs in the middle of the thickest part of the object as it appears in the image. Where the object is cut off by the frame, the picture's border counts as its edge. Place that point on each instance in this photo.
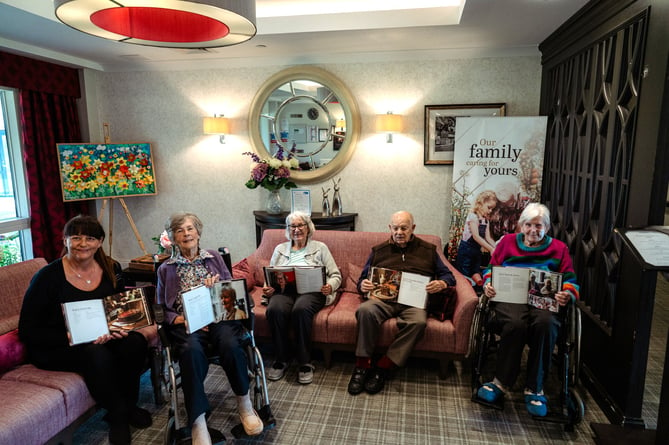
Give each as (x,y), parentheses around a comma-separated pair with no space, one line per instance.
(522,324)
(112,364)
(194,267)
(298,310)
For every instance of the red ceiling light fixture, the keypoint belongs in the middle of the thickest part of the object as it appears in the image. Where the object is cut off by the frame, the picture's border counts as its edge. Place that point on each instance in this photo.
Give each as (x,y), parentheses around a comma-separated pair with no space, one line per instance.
(167,23)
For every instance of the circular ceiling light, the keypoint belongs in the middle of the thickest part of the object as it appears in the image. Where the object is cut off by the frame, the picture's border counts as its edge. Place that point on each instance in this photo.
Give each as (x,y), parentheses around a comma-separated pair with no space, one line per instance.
(166,23)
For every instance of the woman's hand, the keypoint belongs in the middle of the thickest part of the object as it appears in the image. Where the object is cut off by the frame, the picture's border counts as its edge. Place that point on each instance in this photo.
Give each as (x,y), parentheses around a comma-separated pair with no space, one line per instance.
(326,289)
(489,291)
(114,335)
(562,297)
(267,291)
(179,319)
(209,281)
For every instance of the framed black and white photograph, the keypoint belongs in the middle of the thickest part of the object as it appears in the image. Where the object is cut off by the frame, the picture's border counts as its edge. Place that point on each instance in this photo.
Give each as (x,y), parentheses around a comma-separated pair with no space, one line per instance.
(440,128)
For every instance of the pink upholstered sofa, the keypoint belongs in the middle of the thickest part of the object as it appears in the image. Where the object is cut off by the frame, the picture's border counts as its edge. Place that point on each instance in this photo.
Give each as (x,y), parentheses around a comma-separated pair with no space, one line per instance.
(334,326)
(37,406)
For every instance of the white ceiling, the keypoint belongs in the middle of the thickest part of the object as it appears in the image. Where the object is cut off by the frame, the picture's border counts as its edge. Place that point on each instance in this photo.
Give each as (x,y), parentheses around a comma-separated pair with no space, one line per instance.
(291,34)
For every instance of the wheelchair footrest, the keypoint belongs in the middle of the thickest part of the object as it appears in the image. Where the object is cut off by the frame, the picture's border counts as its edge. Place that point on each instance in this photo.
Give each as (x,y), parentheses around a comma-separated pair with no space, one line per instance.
(497,404)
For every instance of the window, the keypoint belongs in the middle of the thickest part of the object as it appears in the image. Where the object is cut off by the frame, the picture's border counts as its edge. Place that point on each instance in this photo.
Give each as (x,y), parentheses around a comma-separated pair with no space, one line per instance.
(15,240)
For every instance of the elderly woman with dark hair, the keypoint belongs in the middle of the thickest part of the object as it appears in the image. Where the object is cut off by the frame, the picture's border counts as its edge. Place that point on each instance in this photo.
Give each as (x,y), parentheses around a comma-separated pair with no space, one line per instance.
(522,323)
(193,267)
(289,308)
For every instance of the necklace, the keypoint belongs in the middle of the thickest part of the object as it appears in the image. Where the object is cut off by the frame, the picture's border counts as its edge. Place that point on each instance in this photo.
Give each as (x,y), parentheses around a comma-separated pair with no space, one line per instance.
(88,281)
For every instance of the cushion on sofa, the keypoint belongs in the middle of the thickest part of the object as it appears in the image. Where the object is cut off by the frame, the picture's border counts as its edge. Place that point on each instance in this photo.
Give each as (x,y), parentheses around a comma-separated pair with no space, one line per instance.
(30,413)
(242,269)
(12,351)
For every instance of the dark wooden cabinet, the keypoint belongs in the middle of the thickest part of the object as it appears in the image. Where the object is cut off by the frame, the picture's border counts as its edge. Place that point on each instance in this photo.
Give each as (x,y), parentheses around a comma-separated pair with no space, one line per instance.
(266,220)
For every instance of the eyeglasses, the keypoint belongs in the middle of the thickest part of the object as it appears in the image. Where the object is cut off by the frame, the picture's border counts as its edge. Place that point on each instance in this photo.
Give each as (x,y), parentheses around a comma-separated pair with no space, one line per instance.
(80,239)
(297,226)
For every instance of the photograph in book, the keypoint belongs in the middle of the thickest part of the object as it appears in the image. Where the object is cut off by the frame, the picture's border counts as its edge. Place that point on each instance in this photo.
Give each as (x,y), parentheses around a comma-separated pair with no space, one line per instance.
(224,301)
(520,285)
(295,280)
(87,320)
(394,286)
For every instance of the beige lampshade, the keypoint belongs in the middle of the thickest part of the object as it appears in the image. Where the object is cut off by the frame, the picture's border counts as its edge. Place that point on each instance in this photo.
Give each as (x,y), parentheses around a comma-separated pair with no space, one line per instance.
(216,125)
(389,123)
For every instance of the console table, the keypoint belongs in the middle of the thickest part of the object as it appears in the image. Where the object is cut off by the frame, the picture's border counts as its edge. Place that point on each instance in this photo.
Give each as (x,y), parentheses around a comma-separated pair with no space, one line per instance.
(266,220)
(133,276)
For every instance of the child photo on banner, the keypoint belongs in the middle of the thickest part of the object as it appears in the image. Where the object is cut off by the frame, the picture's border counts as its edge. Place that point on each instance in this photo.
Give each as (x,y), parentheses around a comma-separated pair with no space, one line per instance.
(497,168)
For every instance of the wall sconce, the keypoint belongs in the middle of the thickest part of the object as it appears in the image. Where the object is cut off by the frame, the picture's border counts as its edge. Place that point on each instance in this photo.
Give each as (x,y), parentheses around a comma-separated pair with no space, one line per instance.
(171,24)
(389,123)
(216,125)
(340,124)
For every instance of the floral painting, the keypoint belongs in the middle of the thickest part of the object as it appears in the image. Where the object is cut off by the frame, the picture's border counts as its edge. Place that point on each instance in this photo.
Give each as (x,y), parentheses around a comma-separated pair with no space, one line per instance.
(95,171)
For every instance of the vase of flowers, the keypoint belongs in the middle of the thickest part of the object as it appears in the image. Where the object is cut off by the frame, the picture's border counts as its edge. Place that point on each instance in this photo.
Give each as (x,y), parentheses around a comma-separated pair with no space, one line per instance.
(273,174)
(164,244)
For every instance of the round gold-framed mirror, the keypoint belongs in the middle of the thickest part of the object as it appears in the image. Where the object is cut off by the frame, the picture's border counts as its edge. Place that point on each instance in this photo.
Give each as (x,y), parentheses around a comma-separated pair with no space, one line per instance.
(311,110)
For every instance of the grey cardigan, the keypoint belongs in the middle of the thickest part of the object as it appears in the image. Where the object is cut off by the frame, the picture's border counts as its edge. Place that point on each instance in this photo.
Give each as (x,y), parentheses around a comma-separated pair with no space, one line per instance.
(316,254)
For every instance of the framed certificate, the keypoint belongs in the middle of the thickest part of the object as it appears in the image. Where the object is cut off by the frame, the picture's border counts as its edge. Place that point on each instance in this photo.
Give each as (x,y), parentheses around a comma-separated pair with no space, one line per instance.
(300,201)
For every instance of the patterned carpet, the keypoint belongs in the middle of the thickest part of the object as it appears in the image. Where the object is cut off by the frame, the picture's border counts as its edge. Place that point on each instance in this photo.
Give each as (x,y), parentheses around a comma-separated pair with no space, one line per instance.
(415,408)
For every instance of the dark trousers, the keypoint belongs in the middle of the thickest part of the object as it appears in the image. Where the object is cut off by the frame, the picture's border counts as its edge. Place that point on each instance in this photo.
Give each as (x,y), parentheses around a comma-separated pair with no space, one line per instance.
(522,324)
(111,370)
(285,312)
(223,339)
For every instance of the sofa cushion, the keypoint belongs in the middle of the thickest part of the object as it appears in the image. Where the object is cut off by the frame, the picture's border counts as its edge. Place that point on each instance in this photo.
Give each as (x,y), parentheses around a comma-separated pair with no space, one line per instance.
(12,351)
(74,393)
(350,283)
(14,281)
(242,269)
(30,413)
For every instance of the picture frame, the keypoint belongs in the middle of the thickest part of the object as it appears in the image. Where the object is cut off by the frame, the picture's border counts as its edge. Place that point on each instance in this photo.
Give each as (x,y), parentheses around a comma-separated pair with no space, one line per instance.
(300,201)
(440,128)
(322,134)
(100,171)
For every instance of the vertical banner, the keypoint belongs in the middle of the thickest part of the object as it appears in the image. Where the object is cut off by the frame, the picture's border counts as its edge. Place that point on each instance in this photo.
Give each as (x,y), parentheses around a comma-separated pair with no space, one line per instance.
(497,170)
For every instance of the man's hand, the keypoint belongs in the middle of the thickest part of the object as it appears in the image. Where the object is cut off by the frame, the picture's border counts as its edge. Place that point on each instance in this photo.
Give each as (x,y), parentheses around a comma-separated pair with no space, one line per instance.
(435,286)
(366,285)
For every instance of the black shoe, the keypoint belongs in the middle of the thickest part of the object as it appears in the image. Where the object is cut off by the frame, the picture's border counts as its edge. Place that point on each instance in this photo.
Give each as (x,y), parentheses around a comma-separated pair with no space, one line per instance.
(375,381)
(139,418)
(357,383)
(119,433)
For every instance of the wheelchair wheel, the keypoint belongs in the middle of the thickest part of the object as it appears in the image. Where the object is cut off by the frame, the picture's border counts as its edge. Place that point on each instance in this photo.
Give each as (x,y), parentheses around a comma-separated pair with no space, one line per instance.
(170,432)
(479,338)
(575,410)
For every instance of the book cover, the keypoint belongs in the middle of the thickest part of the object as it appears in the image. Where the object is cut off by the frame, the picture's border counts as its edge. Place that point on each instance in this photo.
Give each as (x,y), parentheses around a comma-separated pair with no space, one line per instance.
(87,320)
(293,280)
(520,285)
(398,287)
(224,301)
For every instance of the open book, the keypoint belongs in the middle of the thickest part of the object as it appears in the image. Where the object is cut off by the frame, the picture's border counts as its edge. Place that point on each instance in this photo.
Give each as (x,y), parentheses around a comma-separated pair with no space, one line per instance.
(521,285)
(89,319)
(295,279)
(225,300)
(400,287)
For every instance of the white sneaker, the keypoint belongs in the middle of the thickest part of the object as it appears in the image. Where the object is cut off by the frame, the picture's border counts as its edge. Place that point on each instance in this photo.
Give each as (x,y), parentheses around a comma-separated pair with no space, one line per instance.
(277,371)
(305,375)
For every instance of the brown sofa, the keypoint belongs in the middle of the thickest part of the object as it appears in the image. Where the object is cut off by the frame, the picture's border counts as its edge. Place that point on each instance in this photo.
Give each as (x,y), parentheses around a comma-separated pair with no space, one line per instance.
(37,406)
(335,325)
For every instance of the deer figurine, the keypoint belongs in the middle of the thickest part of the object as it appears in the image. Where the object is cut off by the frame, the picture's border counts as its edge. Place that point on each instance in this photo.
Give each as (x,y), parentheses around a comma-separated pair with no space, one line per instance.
(337,208)
(326,203)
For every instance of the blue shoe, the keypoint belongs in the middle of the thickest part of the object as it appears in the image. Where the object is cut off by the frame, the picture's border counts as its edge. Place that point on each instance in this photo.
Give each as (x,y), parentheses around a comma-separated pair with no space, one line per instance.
(489,392)
(536,409)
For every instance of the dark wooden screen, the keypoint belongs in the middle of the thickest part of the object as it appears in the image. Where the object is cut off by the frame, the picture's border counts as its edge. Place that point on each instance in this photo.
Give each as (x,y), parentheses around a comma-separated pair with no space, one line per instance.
(605,168)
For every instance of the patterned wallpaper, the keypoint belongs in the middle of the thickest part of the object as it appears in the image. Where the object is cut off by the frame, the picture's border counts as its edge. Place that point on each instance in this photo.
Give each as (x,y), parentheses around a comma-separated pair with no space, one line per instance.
(196,173)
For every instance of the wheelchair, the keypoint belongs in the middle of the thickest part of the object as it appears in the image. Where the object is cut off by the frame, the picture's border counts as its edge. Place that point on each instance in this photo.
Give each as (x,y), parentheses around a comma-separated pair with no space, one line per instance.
(177,431)
(483,343)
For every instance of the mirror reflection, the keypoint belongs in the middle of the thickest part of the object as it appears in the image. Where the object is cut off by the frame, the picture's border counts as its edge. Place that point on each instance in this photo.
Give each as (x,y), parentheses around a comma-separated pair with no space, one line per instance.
(307,117)
(310,110)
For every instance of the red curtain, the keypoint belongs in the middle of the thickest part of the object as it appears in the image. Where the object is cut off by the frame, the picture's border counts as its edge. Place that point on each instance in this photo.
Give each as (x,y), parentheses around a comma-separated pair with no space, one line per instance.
(48,119)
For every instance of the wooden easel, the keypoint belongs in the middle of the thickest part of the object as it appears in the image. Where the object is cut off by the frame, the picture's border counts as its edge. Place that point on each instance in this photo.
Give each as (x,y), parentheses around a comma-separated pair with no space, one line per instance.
(107,138)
